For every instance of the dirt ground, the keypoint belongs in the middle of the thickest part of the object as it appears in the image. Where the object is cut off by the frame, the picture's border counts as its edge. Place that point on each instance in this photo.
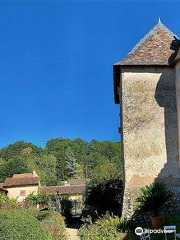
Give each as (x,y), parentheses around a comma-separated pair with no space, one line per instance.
(72,234)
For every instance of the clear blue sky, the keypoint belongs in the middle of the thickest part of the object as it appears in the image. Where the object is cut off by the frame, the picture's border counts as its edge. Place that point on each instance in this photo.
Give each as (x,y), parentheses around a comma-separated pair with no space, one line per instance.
(56,62)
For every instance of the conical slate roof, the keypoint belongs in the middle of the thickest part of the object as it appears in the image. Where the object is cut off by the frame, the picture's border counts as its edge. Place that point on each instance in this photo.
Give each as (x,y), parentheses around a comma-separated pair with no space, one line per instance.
(153,49)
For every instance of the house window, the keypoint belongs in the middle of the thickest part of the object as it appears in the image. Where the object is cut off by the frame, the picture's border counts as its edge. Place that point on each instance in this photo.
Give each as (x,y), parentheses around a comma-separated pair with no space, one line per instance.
(22,193)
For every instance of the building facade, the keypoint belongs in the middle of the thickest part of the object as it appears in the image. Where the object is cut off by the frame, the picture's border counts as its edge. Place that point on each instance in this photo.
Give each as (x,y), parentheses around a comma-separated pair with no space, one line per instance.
(73,191)
(146,85)
(21,185)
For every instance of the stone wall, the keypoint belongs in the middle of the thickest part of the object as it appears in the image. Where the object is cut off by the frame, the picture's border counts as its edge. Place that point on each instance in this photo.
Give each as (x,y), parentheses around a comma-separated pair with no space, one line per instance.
(177,82)
(150,129)
(14,192)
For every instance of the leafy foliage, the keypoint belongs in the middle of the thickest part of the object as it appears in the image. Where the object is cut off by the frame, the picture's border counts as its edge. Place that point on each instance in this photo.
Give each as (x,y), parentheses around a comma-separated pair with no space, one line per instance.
(16,164)
(105,196)
(19,224)
(54,223)
(71,164)
(62,159)
(6,203)
(105,228)
(15,149)
(153,198)
(45,166)
(43,214)
(34,199)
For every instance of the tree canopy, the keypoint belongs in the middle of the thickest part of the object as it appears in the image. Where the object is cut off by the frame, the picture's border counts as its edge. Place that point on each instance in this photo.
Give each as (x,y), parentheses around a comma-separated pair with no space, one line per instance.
(62,159)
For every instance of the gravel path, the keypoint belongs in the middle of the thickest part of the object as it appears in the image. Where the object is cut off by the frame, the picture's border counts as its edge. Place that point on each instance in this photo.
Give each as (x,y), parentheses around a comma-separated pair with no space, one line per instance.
(72,234)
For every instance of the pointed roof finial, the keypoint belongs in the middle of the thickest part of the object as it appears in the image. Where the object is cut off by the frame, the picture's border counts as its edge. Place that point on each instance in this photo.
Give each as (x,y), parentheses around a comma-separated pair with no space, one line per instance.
(159,20)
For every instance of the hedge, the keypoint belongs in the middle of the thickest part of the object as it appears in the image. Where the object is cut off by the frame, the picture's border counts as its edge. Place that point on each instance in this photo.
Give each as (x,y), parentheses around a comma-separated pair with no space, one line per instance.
(19,224)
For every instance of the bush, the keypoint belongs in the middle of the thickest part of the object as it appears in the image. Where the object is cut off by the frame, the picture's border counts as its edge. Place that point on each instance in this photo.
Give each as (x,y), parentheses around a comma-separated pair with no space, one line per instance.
(34,199)
(19,224)
(154,198)
(105,196)
(54,223)
(105,228)
(43,214)
(6,203)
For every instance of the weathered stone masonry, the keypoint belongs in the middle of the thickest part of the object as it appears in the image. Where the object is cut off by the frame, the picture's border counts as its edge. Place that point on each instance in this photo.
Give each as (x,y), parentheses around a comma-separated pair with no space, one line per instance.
(146,86)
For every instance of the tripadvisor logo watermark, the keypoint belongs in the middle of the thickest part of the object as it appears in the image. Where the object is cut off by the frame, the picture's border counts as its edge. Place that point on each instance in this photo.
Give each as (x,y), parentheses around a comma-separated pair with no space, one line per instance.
(139,231)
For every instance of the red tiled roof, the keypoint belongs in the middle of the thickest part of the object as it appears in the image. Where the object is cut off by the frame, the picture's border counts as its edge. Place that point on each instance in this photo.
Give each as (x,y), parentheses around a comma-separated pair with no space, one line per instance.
(24,181)
(23,175)
(63,189)
(153,49)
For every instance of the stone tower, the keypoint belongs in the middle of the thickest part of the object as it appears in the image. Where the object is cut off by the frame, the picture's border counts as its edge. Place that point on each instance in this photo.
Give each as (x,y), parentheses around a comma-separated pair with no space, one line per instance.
(147,87)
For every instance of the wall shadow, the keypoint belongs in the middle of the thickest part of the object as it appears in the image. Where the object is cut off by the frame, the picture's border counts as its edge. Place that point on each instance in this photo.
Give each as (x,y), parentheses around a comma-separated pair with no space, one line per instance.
(165,96)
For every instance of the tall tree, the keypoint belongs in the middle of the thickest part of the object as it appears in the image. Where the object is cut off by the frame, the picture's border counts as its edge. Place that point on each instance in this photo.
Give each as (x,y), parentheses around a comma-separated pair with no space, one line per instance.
(45,166)
(71,164)
(17,164)
(62,159)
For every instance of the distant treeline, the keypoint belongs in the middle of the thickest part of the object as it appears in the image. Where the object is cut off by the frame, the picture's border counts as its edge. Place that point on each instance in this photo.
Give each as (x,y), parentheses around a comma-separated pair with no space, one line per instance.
(62,159)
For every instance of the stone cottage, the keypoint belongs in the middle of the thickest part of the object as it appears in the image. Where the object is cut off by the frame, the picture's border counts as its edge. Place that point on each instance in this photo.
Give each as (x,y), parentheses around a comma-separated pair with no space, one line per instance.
(73,189)
(147,87)
(74,193)
(21,185)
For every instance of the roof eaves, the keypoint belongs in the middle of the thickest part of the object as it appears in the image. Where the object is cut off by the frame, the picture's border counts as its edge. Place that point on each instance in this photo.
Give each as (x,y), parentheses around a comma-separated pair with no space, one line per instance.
(117,78)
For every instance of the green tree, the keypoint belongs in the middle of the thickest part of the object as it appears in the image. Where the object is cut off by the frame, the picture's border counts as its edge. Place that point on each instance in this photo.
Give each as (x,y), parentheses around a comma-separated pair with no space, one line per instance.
(107,170)
(58,147)
(61,165)
(15,149)
(61,159)
(80,147)
(71,164)
(45,166)
(47,169)
(104,196)
(14,165)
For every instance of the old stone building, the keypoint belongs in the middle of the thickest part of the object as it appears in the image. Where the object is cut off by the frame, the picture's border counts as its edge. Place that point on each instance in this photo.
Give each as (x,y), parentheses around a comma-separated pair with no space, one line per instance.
(73,192)
(147,87)
(19,186)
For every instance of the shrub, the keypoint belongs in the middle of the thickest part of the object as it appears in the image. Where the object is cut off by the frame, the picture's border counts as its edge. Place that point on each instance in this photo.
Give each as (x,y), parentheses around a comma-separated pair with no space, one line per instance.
(105,228)
(153,198)
(105,196)
(43,214)
(19,224)
(6,203)
(54,223)
(34,199)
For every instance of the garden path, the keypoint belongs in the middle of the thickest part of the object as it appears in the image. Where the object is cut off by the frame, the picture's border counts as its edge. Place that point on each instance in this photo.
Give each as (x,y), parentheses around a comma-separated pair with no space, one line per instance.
(72,234)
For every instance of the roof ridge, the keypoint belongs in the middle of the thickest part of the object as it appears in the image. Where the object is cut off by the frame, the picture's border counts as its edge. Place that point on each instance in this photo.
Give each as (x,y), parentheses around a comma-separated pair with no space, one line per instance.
(152,49)
(148,36)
